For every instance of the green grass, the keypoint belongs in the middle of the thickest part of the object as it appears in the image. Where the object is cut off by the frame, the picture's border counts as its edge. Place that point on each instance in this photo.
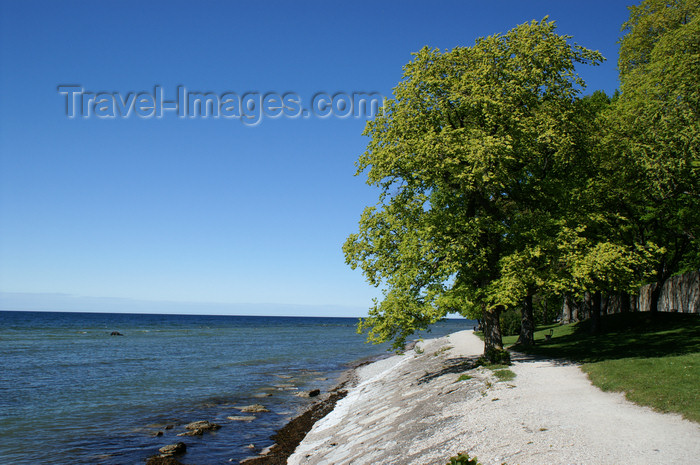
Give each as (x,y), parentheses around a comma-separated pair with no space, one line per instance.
(654,359)
(504,375)
(463,459)
(494,366)
(669,384)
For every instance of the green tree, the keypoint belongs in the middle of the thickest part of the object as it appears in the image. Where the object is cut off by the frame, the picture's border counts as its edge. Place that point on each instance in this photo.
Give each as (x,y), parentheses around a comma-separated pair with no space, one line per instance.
(655,131)
(469,154)
(600,249)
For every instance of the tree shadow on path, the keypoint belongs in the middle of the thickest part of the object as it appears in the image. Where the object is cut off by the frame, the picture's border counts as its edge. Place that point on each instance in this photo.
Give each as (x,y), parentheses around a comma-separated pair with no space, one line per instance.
(452,365)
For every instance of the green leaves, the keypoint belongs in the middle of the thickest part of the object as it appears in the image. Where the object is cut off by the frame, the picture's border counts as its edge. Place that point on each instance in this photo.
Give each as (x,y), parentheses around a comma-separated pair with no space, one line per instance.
(654,128)
(648,24)
(472,157)
(498,180)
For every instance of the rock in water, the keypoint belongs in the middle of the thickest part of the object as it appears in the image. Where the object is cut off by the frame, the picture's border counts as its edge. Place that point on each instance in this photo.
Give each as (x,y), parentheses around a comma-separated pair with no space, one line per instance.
(252,408)
(115,333)
(312,393)
(173,449)
(198,428)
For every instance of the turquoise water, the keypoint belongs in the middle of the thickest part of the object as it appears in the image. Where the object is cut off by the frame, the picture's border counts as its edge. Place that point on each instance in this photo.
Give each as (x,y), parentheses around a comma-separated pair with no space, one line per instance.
(72,394)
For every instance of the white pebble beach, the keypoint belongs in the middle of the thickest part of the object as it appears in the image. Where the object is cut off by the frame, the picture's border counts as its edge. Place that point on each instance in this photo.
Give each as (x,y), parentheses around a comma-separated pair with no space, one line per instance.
(412,409)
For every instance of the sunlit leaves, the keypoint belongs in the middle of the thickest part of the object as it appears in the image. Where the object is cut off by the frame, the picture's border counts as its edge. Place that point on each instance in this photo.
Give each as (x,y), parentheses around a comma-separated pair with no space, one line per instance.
(654,128)
(469,155)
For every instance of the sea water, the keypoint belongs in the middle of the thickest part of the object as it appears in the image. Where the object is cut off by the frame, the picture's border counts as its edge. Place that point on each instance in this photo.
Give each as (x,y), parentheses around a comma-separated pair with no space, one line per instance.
(70,393)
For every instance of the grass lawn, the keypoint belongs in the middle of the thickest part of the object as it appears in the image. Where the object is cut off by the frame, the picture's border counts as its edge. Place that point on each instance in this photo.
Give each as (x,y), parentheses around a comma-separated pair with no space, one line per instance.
(654,359)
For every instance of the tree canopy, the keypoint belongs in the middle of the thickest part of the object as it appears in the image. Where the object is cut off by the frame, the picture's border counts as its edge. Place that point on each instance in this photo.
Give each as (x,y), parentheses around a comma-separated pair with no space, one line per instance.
(654,129)
(499,180)
(469,155)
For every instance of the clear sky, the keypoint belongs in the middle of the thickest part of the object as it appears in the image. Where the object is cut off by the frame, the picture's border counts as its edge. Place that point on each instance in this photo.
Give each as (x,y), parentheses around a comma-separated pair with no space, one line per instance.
(210,209)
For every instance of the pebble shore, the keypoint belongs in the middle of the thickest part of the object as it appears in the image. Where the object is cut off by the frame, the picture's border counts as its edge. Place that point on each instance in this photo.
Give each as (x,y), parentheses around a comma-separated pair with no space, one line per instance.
(430,403)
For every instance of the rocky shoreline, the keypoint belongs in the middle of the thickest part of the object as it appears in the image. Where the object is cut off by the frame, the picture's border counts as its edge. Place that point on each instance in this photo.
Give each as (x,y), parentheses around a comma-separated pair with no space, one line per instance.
(286,439)
(290,436)
(435,401)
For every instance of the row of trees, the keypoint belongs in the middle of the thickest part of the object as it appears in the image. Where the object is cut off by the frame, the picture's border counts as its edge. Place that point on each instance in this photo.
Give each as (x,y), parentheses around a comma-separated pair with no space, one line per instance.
(499,181)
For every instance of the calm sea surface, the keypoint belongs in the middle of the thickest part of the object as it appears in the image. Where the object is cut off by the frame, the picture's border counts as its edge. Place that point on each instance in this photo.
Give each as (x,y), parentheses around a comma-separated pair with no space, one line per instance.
(72,394)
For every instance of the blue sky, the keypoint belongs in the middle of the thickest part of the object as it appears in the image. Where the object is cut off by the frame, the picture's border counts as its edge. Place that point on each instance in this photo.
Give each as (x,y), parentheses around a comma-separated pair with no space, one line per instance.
(188,210)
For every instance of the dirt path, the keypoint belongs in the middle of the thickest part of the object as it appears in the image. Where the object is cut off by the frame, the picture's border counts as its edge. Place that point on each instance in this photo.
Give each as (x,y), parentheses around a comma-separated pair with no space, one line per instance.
(411,409)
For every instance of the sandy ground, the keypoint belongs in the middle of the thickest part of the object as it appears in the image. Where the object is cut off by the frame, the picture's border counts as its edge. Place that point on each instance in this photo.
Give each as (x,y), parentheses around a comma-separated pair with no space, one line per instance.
(411,409)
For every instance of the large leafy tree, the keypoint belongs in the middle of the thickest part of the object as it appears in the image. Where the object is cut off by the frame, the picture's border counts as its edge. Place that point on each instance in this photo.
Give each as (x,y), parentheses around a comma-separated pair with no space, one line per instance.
(470,156)
(655,131)
(601,251)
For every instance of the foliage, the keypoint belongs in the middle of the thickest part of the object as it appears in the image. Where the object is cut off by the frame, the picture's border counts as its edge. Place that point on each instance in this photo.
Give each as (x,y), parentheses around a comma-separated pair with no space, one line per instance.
(598,248)
(471,156)
(495,356)
(510,322)
(494,366)
(463,459)
(464,377)
(547,308)
(596,261)
(500,184)
(504,375)
(654,131)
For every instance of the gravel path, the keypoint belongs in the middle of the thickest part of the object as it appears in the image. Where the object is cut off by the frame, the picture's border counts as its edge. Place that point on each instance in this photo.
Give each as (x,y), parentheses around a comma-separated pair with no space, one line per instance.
(411,409)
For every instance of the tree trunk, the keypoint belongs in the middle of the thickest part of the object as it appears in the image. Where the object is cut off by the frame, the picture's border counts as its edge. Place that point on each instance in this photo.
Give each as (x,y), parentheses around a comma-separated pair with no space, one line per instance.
(595,313)
(567,310)
(575,309)
(656,291)
(662,274)
(585,311)
(492,329)
(605,305)
(634,303)
(527,323)
(625,302)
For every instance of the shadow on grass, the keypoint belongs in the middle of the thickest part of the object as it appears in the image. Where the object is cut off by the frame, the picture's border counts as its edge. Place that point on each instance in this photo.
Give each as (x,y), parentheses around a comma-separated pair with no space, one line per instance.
(623,336)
